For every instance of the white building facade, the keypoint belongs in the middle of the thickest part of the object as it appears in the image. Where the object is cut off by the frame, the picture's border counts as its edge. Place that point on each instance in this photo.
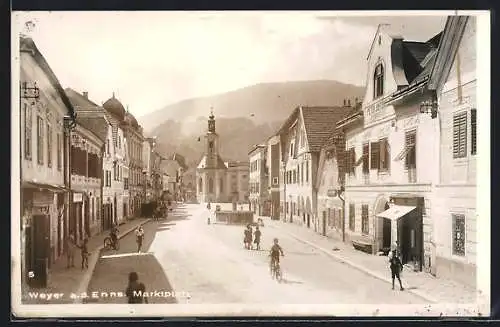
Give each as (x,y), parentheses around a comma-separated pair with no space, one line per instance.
(454,213)
(392,153)
(258,180)
(44,165)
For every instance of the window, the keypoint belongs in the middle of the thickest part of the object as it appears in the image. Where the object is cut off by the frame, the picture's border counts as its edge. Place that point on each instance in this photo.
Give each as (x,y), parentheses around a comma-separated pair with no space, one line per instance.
(460,135)
(107,146)
(384,155)
(59,151)
(295,176)
(410,149)
(375,157)
(458,230)
(302,173)
(28,124)
(473,145)
(378,81)
(351,216)
(125,183)
(307,171)
(291,149)
(39,135)
(109,177)
(211,145)
(366,158)
(364,219)
(275,180)
(210,185)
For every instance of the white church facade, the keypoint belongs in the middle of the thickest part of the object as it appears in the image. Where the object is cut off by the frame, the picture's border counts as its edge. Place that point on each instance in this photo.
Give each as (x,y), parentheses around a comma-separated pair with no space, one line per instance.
(219,180)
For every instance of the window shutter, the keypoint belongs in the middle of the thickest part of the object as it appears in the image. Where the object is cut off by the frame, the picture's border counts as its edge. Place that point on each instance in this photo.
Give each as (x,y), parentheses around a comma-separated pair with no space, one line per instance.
(410,145)
(473,145)
(375,163)
(353,160)
(366,158)
(460,135)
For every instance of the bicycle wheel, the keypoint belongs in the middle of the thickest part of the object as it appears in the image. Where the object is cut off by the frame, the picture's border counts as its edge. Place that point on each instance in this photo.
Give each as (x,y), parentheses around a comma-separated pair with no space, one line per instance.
(278,274)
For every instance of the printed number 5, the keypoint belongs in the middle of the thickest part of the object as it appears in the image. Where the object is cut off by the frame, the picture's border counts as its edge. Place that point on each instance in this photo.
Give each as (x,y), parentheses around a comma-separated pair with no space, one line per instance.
(31,274)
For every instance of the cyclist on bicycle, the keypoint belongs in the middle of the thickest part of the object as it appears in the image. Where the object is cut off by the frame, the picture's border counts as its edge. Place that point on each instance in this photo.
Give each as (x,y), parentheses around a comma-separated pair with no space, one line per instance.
(114,235)
(275,252)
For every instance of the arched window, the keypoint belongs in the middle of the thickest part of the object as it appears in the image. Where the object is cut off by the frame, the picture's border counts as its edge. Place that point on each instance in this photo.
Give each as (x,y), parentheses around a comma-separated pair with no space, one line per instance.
(200,185)
(378,81)
(210,185)
(221,186)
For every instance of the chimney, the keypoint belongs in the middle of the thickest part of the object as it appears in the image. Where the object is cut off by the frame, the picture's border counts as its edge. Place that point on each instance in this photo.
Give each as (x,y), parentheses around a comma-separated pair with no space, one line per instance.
(85,94)
(349,102)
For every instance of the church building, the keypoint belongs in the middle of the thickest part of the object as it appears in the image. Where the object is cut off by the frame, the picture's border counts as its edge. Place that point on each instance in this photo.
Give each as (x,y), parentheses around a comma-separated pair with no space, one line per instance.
(217,180)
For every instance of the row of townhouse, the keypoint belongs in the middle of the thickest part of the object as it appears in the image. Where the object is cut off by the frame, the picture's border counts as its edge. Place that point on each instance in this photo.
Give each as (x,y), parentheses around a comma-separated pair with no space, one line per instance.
(398,167)
(81,165)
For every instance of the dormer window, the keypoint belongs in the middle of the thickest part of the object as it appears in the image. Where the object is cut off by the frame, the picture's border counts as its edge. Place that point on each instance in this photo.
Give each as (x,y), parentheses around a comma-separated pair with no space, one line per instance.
(378,81)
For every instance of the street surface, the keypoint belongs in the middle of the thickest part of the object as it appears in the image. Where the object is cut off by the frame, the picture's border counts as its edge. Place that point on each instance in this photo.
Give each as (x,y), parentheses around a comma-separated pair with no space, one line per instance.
(207,264)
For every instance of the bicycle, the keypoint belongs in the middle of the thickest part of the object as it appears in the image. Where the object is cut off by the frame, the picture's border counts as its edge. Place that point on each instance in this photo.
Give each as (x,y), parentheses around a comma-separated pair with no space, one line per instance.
(109,244)
(276,271)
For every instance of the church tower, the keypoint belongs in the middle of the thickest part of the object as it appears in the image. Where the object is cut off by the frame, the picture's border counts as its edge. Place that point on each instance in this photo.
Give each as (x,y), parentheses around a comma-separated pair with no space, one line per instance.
(211,144)
(211,171)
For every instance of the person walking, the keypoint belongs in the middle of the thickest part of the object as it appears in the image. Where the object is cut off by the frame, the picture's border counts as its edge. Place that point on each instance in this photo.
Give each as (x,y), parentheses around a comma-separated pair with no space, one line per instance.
(257,236)
(139,234)
(70,250)
(396,266)
(85,253)
(135,289)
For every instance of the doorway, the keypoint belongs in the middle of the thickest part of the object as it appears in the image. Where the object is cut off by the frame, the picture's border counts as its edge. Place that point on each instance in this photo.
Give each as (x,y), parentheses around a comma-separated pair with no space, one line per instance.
(386,233)
(41,233)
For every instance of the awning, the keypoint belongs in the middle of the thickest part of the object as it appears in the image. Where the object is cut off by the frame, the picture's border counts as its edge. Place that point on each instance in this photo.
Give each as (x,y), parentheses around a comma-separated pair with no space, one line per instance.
(48,187)
(395,212)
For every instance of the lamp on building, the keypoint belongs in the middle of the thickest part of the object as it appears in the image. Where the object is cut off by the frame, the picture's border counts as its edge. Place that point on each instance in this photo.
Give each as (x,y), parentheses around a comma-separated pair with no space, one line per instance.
(430,106)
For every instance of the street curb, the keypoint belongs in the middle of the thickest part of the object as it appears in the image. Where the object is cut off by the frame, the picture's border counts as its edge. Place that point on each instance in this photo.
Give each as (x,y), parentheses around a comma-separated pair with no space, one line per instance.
(94,258)
(355,265)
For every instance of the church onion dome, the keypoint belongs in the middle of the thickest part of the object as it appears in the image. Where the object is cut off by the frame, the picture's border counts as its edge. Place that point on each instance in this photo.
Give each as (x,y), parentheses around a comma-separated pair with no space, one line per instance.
(130,119)
(115,107)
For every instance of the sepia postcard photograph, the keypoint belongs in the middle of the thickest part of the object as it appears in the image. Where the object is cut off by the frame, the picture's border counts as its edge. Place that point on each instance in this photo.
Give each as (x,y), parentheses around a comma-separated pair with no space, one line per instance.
(210,163)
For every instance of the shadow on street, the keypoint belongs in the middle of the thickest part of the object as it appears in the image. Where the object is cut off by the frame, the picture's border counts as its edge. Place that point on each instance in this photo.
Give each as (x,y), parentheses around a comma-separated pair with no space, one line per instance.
(113,267)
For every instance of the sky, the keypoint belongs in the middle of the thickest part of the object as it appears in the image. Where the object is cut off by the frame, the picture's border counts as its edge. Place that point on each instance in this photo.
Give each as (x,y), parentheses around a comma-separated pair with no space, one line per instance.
(153,59)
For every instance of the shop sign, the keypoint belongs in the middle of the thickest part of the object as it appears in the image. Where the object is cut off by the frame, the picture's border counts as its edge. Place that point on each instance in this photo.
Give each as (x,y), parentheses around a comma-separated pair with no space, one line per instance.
(331,193)
(77,197)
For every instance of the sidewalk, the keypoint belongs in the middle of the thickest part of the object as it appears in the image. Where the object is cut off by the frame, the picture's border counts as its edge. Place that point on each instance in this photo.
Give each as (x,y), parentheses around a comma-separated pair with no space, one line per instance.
(436,290)
(63,280)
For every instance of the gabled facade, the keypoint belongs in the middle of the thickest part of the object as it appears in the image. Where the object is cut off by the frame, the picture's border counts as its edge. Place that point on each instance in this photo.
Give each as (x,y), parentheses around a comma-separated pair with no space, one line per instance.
(454,214)
(44,164)
(391,152)
(301,138)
